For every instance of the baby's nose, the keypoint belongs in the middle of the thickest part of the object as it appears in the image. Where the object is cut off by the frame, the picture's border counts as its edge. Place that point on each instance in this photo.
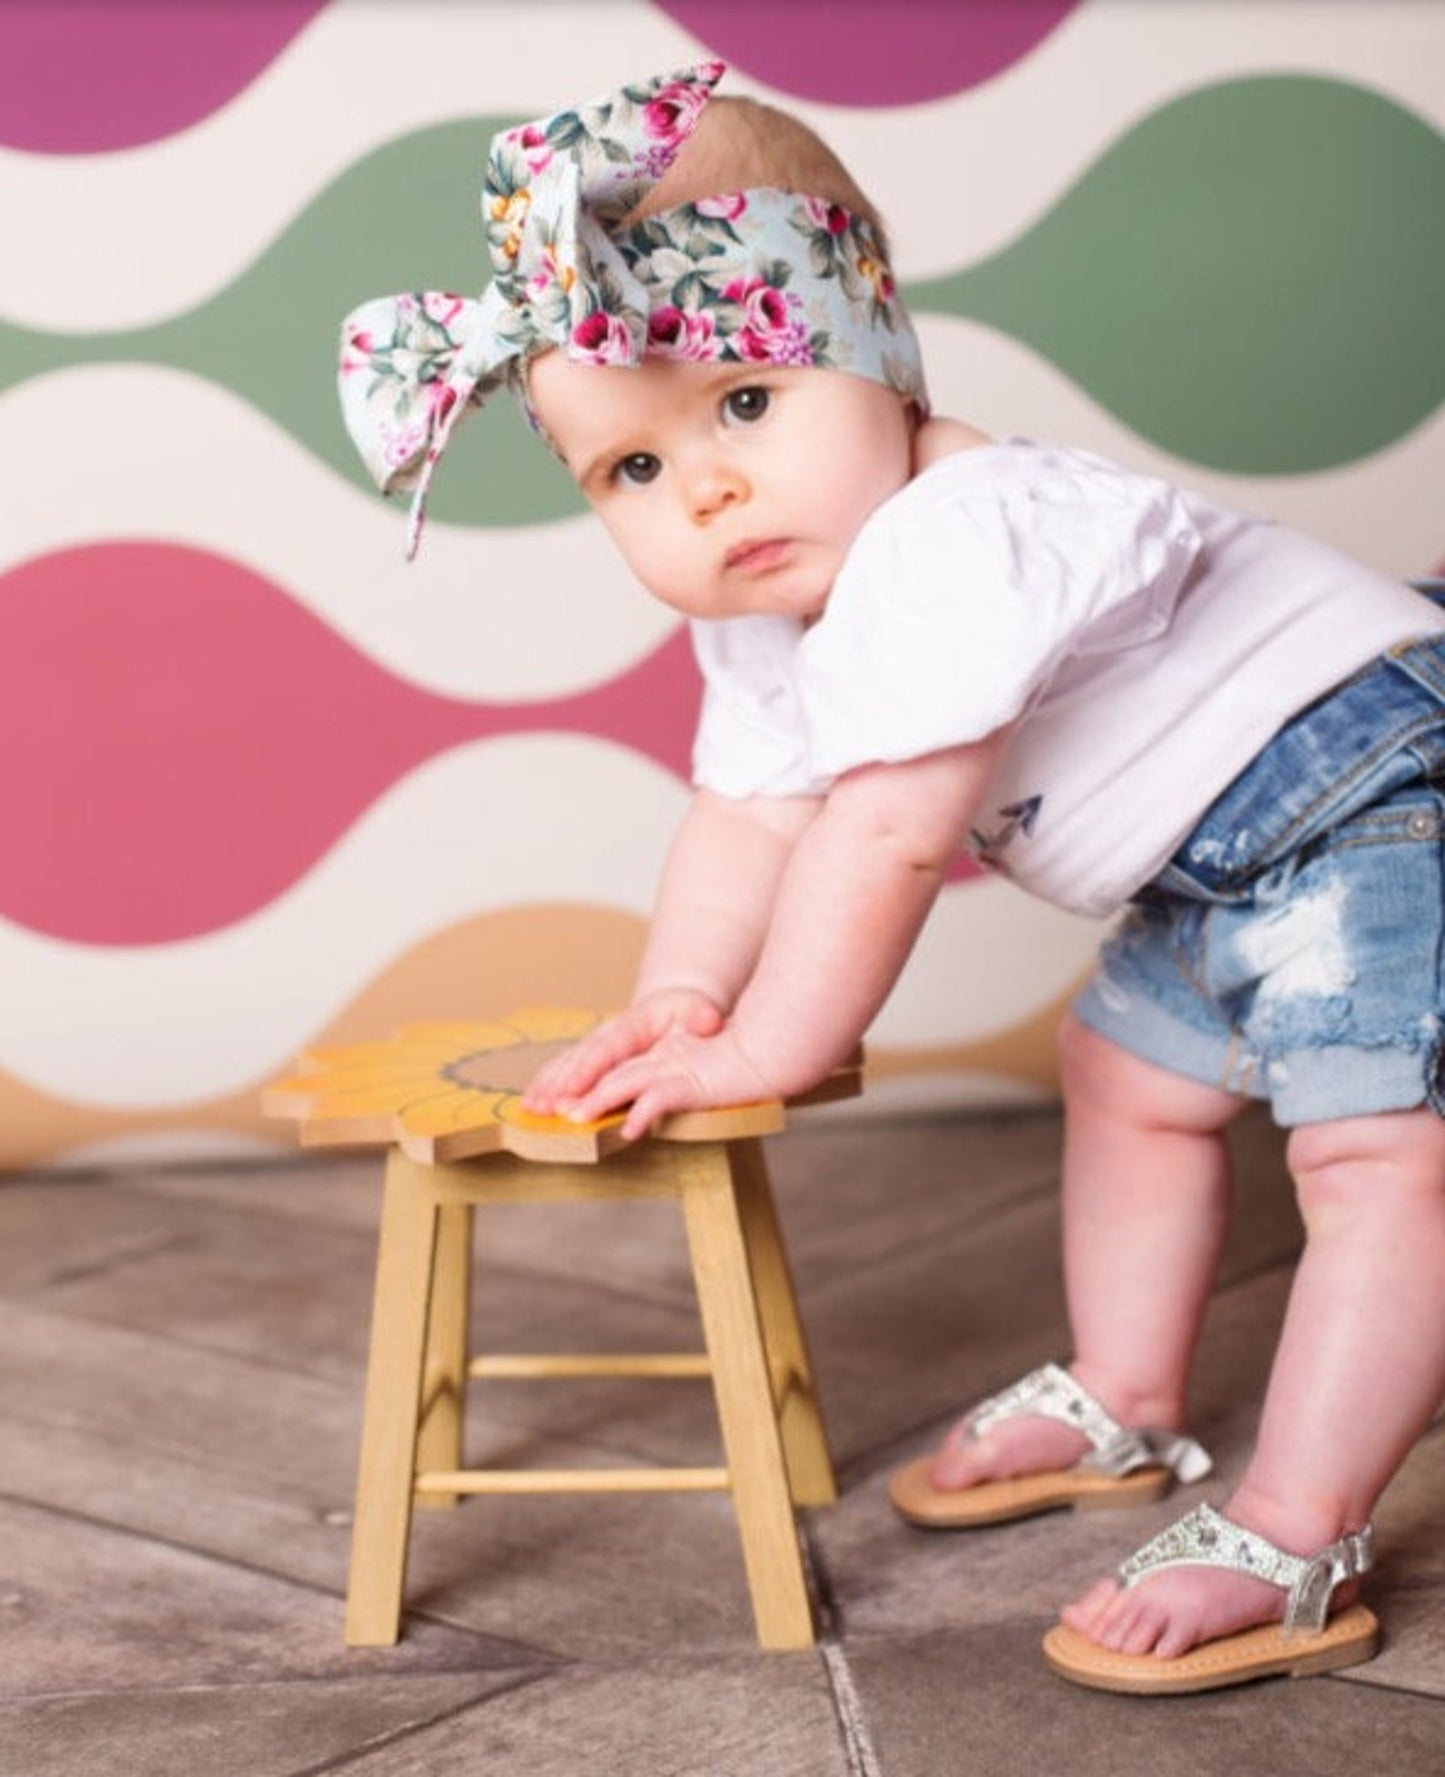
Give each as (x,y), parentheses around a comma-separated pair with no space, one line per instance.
(715,483)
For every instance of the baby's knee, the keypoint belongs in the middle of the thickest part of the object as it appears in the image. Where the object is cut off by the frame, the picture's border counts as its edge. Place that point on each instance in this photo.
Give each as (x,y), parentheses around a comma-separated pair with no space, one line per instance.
(1387,1160)
(1100,1078)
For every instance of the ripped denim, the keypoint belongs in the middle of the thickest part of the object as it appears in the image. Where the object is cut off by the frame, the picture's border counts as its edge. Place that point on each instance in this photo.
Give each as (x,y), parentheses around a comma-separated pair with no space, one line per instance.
(1291,950)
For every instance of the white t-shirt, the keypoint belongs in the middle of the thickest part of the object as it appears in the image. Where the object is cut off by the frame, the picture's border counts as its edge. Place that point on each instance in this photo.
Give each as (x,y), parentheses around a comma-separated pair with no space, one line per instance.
(1146,642)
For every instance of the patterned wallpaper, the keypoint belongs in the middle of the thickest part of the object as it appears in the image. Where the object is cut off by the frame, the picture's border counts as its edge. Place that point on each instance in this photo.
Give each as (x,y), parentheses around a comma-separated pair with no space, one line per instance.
(262,784)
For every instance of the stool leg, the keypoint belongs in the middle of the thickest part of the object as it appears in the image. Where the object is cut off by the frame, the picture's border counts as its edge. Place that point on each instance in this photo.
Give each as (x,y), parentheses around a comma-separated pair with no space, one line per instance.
(739,1362)
(382,1521)
(805,1442)
(444,1374)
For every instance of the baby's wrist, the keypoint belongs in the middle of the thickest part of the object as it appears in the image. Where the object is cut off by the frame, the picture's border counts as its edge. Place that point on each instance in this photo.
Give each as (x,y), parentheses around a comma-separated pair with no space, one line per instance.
(783,1066)
(647,993)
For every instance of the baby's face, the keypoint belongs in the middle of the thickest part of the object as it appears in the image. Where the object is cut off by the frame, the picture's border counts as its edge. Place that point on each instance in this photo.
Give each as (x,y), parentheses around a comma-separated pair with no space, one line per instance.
(731,489)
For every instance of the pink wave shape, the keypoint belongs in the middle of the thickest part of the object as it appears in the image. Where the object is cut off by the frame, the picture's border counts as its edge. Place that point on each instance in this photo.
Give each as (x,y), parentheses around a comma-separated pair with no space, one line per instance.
(88,76)
(871,52)
(182,740)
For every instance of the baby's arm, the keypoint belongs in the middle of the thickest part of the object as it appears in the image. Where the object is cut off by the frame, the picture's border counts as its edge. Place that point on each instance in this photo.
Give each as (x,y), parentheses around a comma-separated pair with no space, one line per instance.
(713,904)
(856,889)
(717,892)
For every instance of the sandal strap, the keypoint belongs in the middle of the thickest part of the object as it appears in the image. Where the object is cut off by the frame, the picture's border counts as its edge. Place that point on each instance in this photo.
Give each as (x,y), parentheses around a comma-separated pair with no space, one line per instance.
(1206,1538)
(1052,1393)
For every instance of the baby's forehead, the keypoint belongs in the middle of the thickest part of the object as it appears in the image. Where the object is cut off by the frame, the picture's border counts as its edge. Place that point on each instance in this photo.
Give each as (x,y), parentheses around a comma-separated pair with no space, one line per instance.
(571,398)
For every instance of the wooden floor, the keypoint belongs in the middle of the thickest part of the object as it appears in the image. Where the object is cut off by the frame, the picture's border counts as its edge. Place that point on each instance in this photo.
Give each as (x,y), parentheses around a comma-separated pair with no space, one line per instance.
(181,1361)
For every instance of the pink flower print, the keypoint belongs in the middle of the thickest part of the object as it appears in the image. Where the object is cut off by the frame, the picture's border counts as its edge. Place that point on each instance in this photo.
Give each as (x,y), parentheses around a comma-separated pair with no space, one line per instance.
(727,207)
(440,399)
(669,117)
(532,144)
(401,445)
(441,306)
(536,147)
(832,217)
(404,445)
(774,330)
(763,304)
(550,275)
(601,338)
(356,350)
(690,338)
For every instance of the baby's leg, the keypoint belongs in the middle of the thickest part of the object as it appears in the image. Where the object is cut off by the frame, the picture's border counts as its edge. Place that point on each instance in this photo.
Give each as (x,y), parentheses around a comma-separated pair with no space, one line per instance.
(1359,1372)
(1145,1203)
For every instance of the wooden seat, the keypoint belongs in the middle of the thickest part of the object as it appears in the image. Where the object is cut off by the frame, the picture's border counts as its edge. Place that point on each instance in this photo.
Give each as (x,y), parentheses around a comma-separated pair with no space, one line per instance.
(420,1366)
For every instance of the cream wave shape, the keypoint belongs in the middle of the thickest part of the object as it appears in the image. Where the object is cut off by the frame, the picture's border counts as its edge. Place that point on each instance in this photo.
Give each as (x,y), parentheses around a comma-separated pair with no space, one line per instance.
(163,1025)
(520,613)
(171,223)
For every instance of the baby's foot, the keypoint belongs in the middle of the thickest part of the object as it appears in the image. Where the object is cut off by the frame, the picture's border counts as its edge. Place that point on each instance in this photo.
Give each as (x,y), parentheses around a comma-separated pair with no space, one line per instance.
(1032,1444)
(1022,1450)
(1169,1613)
(1027,1445)
(1182,1607)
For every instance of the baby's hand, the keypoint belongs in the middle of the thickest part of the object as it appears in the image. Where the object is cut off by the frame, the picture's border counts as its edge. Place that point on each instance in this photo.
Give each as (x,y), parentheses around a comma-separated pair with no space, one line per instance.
(680,1071)
(558,1087)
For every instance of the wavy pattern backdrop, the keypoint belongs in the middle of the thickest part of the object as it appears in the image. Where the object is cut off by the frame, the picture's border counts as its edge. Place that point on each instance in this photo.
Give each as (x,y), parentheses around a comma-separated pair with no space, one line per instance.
(261,784)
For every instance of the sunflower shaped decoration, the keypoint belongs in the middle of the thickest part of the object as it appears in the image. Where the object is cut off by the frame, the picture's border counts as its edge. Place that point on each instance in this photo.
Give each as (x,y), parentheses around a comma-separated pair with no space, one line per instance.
(448,1091)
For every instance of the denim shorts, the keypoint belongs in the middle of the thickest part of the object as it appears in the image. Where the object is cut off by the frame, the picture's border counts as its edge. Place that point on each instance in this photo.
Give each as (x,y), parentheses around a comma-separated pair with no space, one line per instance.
(1291,950)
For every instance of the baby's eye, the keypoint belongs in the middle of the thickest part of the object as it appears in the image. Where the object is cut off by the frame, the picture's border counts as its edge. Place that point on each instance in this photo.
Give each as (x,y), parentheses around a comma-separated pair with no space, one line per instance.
(638,469)
(746,404)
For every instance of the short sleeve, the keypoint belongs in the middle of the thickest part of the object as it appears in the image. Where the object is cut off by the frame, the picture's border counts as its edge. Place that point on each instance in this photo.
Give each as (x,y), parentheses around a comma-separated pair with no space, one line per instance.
(751,736)
(964,594)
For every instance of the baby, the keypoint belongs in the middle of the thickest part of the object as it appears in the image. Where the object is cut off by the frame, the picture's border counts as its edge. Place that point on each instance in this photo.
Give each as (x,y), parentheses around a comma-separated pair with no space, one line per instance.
(915,638)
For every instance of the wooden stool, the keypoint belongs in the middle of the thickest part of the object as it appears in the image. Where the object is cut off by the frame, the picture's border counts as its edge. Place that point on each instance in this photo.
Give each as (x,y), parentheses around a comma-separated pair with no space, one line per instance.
(440,1169)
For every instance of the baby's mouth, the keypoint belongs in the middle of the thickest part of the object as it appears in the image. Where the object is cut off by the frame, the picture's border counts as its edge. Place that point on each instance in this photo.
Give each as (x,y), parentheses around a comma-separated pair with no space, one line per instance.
(755,555)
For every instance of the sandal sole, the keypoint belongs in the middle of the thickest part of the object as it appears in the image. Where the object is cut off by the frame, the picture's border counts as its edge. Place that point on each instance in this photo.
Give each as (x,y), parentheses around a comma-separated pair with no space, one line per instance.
(1346,1640)
(1001,1502)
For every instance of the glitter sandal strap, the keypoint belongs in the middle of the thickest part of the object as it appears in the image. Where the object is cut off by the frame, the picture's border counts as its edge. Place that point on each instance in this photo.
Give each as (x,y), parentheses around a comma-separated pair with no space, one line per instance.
(1052,1393)
(1206,1538)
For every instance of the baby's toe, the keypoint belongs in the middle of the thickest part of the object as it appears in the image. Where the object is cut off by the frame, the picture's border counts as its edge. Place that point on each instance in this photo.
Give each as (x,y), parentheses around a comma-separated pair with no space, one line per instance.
(1133,1627)
(959,1464)
(1086,1613)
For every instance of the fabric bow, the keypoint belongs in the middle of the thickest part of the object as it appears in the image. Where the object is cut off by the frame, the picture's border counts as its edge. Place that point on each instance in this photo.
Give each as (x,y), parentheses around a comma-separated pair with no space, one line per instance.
(413,365)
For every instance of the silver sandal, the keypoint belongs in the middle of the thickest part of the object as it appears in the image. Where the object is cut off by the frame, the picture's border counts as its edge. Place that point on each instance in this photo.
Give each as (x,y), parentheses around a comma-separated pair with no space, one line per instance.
(1124,1467)
(1307,1640)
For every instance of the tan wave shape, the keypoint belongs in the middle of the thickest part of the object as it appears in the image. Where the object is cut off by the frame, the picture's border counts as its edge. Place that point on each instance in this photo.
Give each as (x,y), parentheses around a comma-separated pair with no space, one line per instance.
(483,967)
(1025,1052)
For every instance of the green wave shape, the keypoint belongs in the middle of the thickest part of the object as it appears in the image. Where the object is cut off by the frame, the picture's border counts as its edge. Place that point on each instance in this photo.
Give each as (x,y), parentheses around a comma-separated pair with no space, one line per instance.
(1252,277)
(404,217)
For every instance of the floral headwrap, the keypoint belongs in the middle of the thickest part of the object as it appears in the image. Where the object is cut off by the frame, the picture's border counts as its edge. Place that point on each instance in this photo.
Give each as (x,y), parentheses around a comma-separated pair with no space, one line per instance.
(764,276)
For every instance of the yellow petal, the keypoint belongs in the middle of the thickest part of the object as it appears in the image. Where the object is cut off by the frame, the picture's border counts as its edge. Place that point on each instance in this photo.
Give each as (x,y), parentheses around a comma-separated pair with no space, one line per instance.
(459,1036)
(552,1024)
(448,1112)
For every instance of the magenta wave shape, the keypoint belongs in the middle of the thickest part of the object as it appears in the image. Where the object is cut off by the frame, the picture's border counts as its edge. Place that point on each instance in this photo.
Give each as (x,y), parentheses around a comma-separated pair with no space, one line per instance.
(181,741)
(90,76)
(870,52)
